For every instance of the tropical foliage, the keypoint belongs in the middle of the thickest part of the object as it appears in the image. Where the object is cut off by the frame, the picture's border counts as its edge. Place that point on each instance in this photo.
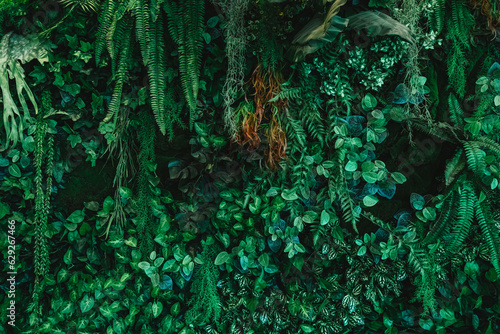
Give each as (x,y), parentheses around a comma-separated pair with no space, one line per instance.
(237,166)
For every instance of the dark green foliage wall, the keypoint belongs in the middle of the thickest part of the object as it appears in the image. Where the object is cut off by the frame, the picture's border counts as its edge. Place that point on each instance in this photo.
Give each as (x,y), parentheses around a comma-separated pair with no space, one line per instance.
(235,166)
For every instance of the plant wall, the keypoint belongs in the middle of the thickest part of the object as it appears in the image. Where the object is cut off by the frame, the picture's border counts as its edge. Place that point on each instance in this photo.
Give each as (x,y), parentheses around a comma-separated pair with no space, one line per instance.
(250,166)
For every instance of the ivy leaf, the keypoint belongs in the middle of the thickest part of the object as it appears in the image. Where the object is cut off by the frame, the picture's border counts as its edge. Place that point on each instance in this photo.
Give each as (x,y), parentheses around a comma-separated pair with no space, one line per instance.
(87,303)
(73,89)
(74,139)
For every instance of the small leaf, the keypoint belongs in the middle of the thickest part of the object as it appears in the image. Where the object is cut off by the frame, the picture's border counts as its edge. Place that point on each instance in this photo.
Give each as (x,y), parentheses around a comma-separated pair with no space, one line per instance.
(362,250)
(87,303)
(497,100)
(417,201)
(157,308)
(398,177)
(325,218)
(212,22)
(351,166)
(76,217)
(14,170)
(370,200)
(144,265)
(222,258)
(68,257)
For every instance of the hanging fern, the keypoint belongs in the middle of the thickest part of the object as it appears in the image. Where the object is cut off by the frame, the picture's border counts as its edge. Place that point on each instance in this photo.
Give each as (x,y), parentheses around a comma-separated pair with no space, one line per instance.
(156,70)
(489,232)
(121,66)
(436,15)
(186,27)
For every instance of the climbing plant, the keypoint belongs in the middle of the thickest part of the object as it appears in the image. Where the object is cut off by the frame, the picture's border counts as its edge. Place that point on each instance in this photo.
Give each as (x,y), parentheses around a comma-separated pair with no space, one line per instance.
(236,166)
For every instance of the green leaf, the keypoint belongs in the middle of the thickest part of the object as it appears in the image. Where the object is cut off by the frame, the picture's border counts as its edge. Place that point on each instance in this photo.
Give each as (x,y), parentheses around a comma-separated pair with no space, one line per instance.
(76,217)
(369,102)
(144,265)
(351,166)
(325,218)
(370,177)
(370,200)
(14,170)
(497,100)
(398,177)
(212,22)
(491,275)
(72,89)
(87,303)
(447,314)
(429,213)
(362,250)
(273,191)
(222,258)
(289,195)
(157,308)
(307,328)
(264,260)
(207,37)
(426,324)
(74,139)
(68,257)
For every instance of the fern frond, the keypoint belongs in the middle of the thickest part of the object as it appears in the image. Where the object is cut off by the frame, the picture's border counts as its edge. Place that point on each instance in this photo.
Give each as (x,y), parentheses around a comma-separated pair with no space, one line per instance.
(454,167)
(205,303)
(475,158)
(186,28)
(122,71)
(156,71)
(490,233)
(436,16)
(105,20)
(456,112)
(463,21)
(489,144)
(86,5)
(347,203)
(463,222)
(142,21)
(422,264)
(295,132)
(443,223)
